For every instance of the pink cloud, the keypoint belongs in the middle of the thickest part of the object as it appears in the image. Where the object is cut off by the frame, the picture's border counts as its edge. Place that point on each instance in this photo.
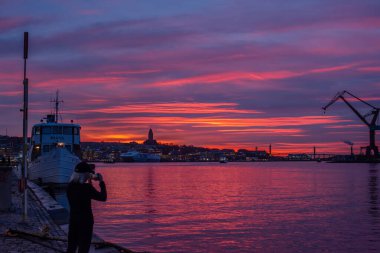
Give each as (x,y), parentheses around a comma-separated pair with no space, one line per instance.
(109,82)
(8,23)
(253,76)
(173,108)
(11,93)
(375,69)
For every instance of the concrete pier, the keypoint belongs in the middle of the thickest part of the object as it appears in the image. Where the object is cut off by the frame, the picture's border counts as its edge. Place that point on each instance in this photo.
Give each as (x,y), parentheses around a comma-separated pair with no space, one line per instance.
(38,222)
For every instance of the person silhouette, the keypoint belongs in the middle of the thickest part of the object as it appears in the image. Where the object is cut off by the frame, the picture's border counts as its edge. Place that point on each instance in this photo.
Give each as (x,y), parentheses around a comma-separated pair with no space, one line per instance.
(80,192)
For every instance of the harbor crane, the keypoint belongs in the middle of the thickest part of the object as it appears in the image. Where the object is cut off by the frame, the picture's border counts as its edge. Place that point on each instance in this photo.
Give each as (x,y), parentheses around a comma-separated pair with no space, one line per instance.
(372,149)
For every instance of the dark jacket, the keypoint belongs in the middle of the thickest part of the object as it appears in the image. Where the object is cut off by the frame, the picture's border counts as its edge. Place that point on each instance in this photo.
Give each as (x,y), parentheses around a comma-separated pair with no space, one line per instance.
(80,195)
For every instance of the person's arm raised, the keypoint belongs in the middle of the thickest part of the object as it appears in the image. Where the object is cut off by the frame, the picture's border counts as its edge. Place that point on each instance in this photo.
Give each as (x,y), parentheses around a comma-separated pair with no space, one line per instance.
(102,195)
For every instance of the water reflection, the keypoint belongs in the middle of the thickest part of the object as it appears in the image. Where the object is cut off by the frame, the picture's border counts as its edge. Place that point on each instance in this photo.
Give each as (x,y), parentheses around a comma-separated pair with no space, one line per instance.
(373,193)
(245,207)
(150,195)
(373,208)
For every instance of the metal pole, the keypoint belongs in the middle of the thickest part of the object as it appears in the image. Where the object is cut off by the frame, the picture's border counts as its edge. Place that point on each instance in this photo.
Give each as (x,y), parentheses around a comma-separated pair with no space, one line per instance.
(24,175)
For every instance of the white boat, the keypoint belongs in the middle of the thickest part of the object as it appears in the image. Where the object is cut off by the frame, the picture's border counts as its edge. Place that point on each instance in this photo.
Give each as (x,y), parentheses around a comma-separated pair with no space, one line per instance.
(223,159)
(54,150)
(136,156)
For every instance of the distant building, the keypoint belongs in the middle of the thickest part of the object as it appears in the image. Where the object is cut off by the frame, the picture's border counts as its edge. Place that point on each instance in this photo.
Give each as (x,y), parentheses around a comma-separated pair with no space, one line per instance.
(299,157)
(150,140)
(256,155)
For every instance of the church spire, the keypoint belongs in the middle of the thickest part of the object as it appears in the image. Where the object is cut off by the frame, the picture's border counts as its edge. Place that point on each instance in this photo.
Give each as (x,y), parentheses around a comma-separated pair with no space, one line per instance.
(150,135)
(150,140)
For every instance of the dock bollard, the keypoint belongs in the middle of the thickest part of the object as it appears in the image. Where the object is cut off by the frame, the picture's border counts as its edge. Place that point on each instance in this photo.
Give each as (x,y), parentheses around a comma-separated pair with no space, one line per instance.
(5,187)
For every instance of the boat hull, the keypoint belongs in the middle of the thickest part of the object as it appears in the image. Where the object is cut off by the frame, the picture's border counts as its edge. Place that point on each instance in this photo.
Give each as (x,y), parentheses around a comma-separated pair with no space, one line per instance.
(54,167)
(140,157)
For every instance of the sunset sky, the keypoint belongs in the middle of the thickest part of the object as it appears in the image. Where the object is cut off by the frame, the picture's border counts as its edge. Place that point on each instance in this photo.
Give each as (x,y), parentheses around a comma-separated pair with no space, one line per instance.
(225,74)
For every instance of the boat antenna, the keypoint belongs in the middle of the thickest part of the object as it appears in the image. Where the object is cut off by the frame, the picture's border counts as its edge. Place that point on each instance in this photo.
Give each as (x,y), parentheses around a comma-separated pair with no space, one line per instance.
(56,102)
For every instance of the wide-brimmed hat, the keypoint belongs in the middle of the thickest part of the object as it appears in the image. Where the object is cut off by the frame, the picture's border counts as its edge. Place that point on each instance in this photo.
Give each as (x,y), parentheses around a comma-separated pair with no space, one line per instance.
(83,167)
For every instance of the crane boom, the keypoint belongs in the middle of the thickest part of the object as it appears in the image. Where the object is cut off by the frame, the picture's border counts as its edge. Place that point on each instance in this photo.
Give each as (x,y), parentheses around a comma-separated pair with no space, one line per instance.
(333,100)
(371,124)
(341,96)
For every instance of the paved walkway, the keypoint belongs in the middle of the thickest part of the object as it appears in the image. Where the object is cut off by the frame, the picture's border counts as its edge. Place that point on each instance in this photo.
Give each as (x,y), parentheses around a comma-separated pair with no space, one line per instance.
(37,221)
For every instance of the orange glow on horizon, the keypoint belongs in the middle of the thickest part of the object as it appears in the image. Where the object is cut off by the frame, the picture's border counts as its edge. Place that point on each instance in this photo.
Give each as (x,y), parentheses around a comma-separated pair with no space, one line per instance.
(277,148)
(222,123)
(93,137)
(278,126)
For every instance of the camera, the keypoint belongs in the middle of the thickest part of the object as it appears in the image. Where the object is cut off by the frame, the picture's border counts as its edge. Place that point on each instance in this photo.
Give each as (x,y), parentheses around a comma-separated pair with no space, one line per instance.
(95,177)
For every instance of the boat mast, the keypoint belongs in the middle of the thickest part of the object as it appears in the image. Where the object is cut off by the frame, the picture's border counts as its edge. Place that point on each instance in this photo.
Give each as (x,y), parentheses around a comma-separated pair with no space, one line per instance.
(56,107)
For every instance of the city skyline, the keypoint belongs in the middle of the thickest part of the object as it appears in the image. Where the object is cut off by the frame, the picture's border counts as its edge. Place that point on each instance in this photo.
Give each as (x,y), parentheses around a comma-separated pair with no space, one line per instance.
(217,74)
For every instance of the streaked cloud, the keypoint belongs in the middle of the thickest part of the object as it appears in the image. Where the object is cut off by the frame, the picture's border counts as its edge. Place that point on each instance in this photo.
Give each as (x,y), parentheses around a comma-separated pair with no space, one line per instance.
(174,108)
(235,74)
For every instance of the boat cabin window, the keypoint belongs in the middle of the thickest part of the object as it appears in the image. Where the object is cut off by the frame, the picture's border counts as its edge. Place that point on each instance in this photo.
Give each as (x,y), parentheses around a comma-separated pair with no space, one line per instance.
(52,130)
(76,130)
(67,130)
(57,130)
(37,130)
(46,130)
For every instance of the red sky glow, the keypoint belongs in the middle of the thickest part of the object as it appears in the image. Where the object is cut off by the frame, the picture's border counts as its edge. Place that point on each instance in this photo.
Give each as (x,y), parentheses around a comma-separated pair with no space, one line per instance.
(218,74)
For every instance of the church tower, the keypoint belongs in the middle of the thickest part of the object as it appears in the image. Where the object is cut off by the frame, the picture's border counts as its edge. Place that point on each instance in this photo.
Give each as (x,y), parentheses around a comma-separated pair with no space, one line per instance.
(150,140)
(150,135)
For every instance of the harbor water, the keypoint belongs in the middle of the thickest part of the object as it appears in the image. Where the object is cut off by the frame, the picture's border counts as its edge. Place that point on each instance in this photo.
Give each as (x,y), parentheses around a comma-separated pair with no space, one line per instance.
(241,207)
